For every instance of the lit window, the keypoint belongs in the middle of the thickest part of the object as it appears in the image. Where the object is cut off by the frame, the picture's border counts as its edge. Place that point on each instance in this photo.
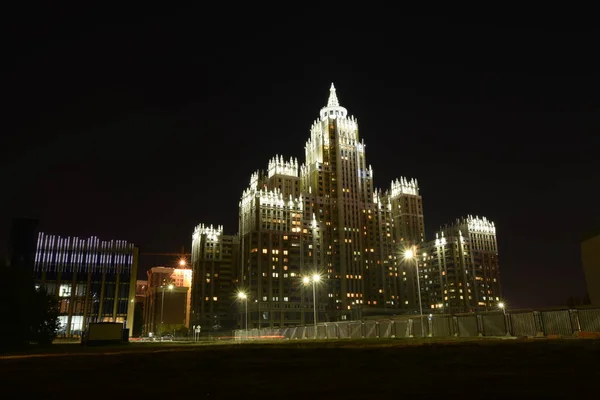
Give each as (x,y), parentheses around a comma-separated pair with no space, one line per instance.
(65,291)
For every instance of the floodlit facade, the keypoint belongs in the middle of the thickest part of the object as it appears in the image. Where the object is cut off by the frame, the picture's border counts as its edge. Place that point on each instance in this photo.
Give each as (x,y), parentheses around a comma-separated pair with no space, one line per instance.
(459,270)
(93,280)
(323,215)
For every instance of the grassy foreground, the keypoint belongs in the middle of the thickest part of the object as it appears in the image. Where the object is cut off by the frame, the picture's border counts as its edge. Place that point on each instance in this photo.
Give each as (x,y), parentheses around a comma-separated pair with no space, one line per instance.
(362,369)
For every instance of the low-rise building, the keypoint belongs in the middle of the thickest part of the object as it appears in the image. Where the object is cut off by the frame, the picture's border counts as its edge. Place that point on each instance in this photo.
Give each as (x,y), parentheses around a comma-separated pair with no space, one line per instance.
(94,280)
(167,301)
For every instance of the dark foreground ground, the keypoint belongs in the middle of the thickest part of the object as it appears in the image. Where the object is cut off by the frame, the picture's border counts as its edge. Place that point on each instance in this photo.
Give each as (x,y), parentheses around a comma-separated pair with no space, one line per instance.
(381,369)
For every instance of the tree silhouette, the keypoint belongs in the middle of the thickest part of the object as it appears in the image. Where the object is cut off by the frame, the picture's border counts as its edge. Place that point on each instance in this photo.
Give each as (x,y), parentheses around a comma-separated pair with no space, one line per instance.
(44,319)
(29,315)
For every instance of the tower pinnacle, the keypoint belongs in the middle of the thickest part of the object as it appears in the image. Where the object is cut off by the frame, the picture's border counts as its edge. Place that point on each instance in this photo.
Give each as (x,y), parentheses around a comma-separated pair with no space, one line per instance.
(333,108)
(333,100)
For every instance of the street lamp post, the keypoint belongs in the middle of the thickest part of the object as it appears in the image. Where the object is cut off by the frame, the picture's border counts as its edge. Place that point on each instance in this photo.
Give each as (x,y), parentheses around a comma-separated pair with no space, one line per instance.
(314,279)
(244,296)
(409,255)
(162,306)
(502,306)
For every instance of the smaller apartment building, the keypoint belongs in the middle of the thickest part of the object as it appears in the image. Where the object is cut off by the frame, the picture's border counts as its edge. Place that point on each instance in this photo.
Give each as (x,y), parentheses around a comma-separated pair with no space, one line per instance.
(167,300)
(459,270)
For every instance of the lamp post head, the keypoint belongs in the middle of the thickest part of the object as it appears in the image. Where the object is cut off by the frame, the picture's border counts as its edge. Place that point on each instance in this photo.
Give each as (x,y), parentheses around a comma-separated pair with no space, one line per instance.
(306,280)
(242,296)
(501,305)
(409,254)
(171,286)
(182,263)
(316,278)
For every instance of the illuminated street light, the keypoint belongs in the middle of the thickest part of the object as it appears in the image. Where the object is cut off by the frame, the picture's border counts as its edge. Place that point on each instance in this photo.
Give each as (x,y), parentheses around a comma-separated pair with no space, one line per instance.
(244,296)
(410,254)
(316,278)
(182,262)
(502,306)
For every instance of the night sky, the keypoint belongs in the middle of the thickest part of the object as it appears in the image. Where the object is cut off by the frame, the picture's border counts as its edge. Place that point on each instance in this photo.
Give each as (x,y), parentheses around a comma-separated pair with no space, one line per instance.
(141,126)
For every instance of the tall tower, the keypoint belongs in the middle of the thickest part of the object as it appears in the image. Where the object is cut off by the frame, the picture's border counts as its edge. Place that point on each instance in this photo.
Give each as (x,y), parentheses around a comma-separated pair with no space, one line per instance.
(340,185)
(324,217)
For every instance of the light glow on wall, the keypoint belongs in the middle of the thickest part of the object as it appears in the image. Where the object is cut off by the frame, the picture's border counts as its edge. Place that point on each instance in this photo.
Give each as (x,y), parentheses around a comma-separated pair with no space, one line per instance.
(182,277)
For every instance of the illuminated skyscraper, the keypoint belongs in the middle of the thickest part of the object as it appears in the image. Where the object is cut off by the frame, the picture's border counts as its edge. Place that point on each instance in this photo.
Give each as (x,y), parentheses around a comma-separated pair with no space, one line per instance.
(324,216)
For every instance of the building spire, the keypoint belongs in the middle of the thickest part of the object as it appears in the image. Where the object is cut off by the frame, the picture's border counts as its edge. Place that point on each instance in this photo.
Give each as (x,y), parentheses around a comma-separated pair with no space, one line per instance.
(333,109)
(333,100)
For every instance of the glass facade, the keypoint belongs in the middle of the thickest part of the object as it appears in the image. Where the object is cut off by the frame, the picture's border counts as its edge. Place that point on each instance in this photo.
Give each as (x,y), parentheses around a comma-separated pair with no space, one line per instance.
(93,280)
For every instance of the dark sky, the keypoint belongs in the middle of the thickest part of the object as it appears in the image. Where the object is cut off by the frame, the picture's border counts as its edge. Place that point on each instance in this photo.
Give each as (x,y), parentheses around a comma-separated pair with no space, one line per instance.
(141,126)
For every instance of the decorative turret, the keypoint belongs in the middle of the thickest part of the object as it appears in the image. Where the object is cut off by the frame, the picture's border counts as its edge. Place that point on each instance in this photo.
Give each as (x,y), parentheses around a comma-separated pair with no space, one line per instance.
(470,224)
(210,232)
(277,166)
(476,224)
(404,186)
(377,197)
(333,100)
(274,198)
(440,240)
(254,180)
(333,108)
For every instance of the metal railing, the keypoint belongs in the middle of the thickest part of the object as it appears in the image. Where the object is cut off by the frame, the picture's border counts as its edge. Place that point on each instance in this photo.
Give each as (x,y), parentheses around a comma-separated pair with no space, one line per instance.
(516,323)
